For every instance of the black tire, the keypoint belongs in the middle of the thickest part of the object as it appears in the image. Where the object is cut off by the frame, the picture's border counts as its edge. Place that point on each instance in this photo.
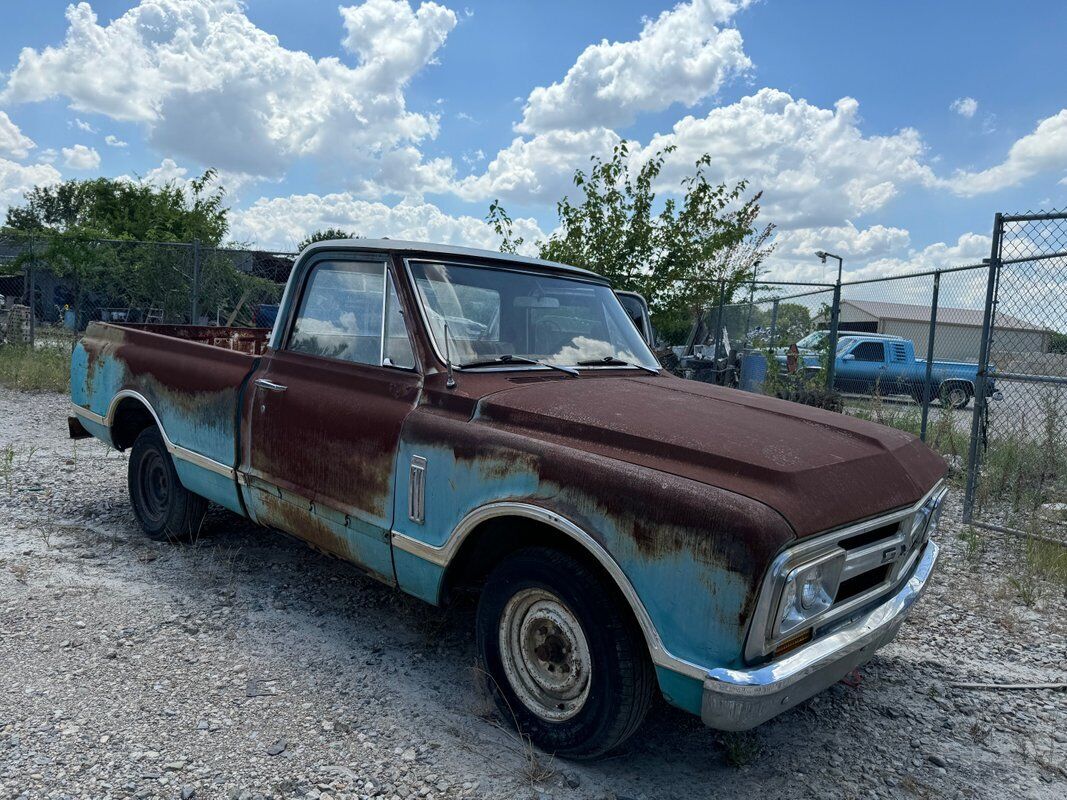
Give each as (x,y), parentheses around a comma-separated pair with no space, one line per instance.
(166,510)
(620,676)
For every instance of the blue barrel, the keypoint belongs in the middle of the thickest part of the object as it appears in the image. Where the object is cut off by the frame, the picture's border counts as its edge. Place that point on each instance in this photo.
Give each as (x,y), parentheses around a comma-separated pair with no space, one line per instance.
(753,371)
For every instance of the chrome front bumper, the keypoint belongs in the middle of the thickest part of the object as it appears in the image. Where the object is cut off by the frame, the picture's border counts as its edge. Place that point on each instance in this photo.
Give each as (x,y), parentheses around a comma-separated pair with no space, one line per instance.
(735,700)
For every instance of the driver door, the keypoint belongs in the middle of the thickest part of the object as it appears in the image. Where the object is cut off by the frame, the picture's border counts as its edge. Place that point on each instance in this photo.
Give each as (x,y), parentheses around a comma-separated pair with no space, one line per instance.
(325,410)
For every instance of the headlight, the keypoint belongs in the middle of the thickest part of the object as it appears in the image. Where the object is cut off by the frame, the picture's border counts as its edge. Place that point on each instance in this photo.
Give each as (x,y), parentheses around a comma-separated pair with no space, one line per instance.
(809,590)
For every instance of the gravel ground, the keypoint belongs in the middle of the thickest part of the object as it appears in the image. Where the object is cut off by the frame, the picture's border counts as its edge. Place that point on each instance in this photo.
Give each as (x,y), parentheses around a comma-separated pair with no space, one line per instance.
(248,666)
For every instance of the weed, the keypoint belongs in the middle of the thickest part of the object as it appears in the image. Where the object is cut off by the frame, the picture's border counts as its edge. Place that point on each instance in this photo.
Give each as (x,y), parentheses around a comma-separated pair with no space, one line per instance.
(7,465)
(34,369)
(974,547)
(741,748)
(535,769)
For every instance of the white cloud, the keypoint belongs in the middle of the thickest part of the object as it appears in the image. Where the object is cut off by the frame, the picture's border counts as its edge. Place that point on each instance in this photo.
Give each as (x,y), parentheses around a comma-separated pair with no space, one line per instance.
(166,172)
(113,141)
(1043,151)
(83,126)
(17,179)
(81,157)
(538,169)
(281,222)
(965,106)
(12,140)
(814,165)
(682,56)
(212,87)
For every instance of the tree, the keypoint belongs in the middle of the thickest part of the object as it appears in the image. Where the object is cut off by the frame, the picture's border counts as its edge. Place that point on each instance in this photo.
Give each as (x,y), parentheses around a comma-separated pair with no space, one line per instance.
(107,208)
(680,257)
(324,235)
(102,236)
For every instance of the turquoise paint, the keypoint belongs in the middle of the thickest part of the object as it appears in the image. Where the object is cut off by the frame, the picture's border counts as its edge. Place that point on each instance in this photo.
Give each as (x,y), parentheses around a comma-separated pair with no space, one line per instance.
(421,578)
(694,606)
(680,690)
(215,487)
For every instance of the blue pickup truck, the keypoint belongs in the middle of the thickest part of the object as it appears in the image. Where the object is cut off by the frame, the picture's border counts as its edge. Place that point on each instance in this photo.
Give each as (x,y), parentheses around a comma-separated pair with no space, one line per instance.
(877,363)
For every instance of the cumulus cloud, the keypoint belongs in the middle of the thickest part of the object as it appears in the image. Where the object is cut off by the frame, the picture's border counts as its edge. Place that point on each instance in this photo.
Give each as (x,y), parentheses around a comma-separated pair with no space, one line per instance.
(12,140)
(281,222)
(80,157)
(114,141)
(540,168)
(965,106)
(1043,151)
(82,125)
(211,86)
(814,165)
(17,179)
(682,56)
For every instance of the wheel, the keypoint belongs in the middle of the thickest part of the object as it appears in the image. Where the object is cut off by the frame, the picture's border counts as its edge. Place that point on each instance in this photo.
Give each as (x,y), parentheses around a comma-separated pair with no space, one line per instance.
(566,663)
(955,395)
(165,508)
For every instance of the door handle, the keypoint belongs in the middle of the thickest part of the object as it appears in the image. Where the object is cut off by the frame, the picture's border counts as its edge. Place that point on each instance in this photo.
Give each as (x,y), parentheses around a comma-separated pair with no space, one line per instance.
(270,386)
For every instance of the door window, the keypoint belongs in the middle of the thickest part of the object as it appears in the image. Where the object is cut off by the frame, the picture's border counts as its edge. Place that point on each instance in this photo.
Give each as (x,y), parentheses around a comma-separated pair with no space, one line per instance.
(870,351)
(340,314)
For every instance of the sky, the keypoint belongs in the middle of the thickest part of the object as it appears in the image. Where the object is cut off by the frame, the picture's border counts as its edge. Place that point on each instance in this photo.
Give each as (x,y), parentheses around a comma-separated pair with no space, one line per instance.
(889,133)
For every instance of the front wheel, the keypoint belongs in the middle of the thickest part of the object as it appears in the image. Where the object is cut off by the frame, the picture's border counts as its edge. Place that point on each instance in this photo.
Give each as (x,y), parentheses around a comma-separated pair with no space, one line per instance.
(566,663)
(165,508)
(955,395)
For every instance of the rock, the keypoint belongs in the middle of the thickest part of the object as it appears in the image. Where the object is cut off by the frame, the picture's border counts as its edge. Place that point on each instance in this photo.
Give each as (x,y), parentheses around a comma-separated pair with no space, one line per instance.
(937,761)
(573,780)
(188,792)
(277,748)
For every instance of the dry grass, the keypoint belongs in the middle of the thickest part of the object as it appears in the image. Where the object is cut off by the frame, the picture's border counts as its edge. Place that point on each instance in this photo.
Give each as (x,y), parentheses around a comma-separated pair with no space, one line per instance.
(42,369)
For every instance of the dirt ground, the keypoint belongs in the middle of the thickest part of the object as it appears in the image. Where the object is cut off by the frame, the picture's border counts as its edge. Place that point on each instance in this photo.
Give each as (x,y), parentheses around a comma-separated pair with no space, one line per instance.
(247,666)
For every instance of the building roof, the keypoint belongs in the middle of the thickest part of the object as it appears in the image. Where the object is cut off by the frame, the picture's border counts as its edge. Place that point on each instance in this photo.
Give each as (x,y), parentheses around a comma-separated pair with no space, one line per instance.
(907,312)
(448,251)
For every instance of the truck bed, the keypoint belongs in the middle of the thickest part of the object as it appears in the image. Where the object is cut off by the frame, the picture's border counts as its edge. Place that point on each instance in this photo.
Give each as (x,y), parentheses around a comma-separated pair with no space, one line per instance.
(189,377)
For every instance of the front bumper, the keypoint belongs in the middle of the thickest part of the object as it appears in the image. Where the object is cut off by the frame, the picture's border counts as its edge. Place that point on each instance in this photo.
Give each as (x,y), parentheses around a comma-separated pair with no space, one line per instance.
(736,700)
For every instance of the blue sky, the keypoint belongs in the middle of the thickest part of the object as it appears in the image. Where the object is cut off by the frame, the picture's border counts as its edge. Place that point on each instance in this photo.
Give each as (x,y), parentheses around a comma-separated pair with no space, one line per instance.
(890,132)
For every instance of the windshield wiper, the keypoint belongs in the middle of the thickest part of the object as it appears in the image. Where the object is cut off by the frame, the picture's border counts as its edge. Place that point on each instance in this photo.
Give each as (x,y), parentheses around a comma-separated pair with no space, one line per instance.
(508,358)
(611,361)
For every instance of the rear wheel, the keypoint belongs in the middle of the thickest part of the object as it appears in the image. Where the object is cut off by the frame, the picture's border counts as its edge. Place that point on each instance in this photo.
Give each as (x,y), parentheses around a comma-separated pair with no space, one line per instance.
(955,395)
(566,663)
(165,509)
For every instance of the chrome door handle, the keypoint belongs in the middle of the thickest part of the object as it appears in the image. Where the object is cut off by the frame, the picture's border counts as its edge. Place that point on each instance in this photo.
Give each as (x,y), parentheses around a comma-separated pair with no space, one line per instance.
(270,386)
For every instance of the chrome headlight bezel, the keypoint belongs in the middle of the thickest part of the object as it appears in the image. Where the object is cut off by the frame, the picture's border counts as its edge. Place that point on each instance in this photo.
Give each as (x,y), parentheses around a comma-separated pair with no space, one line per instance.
(808,592)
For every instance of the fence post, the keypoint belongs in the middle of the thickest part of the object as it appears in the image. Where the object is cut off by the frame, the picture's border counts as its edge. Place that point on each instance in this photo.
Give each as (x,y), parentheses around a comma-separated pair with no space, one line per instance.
(32,298)
(983,365)
(930,355)
(774,323)
(718,319)
(194,307)
(835,314)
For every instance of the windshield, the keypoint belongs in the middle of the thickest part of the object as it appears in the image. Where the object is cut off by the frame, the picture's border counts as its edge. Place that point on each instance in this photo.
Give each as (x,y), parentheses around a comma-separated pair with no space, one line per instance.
(812,340)
(495,312)
(844,344)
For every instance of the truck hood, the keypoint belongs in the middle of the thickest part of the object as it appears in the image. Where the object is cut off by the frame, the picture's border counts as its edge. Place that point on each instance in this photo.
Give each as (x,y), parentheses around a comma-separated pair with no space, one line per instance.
(818,469)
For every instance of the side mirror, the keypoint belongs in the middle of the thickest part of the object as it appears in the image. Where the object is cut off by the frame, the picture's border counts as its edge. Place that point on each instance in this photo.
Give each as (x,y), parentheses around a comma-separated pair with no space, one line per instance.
(848,357)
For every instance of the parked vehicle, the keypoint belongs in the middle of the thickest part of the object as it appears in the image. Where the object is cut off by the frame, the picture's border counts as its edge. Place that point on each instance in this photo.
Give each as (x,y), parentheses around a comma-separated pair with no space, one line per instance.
(537,454)
(877,363)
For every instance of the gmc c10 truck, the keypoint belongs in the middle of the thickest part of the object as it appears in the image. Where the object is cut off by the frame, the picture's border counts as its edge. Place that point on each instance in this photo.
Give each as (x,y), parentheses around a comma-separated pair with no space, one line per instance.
(450,419)
(867,363)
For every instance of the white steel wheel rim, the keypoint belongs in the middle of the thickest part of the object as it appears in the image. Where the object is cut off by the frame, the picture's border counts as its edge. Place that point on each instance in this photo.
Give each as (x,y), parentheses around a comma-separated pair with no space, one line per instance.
(956,397)
(545,655)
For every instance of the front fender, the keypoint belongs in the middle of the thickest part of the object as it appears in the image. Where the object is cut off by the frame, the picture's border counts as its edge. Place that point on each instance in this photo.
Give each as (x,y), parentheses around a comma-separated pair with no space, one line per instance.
(694,555)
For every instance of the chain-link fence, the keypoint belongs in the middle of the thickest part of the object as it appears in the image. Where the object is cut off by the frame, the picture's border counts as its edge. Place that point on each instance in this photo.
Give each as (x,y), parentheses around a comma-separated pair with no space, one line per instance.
(53,287)
(1018,479)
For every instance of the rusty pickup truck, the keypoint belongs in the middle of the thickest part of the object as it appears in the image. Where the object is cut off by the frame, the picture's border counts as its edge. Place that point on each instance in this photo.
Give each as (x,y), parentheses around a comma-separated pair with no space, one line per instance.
(450,419)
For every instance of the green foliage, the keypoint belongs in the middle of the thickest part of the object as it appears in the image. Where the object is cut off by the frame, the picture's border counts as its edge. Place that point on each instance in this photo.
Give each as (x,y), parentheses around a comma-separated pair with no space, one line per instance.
(324,235)
(1058,343)
(105,208)
(679,253)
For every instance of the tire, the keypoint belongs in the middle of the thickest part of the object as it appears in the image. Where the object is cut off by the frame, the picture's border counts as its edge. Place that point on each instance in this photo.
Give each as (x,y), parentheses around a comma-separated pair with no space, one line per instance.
(592,642)
(956,395)
(166,510)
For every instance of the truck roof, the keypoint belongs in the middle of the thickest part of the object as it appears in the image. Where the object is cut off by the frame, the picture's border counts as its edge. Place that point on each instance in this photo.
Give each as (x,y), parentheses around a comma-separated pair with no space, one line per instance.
(449,251)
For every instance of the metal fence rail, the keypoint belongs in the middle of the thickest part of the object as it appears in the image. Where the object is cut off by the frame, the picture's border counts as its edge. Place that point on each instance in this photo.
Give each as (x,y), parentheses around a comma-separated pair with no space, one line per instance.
(53,287)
